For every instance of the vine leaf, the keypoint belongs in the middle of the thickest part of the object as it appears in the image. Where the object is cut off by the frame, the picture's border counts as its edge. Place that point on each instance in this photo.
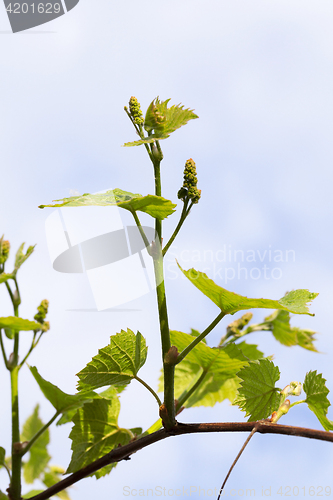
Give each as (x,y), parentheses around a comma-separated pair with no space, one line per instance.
(39,457)
(279,324)
(257,395)
(117,363)
(52,476)
(316,397)
(229,302)
(19,324)
(61,401)
(219,364)
(156,206)
(96,432)
(3,496)
(21,257)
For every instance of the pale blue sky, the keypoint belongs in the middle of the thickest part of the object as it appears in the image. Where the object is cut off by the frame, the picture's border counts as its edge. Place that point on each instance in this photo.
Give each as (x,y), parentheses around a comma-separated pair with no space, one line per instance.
(260,76)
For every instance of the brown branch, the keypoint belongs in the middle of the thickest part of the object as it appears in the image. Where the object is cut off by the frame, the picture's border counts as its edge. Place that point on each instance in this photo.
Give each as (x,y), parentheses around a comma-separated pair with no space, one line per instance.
(124,452)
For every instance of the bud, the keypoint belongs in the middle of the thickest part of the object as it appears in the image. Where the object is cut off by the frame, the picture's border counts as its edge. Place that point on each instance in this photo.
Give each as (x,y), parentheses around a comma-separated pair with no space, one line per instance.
(293,389)
(171,356)
(135,110)
(283,410)
(237,325)
(4,250)
(42,312)
(189,189)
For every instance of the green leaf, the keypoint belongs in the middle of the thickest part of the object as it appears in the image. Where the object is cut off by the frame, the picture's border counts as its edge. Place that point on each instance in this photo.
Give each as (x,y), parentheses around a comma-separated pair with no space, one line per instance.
(279,324)
(96,432)
(117,363)
(3,496)
(53,476)
(146,140)
(156,206)
(164,120)
(257,395)
(19,324)
(61,401)
(30,494)
(219,364)
(39,456)
(21,257)
(316,397)
(230,302)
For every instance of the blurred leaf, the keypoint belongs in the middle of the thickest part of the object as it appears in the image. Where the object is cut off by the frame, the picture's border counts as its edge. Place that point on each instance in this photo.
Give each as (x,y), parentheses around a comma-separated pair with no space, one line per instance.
(53,476)
(116,364)
(21,257)
(257,394)
(316,398)
(96,432)
(2,456)
(30,494)
(19,324)
(156,206)
(279,324)
(220,365)
(230,302)
(39,456)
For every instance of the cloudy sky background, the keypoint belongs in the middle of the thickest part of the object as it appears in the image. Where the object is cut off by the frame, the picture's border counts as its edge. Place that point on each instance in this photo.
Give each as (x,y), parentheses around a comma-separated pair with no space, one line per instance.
(260,76)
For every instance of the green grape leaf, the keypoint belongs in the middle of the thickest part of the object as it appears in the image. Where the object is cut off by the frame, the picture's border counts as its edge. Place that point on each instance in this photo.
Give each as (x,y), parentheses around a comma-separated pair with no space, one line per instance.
(21,257)
(39,457)
(156,206)
(30,494)
(279,324)
(257,394)
(3,496)
(96,432)
(164,120)
(117,363)
(53,476)
(19,324)
(146,140)
(316,397)
(230,302)
(61,401)
(219,364)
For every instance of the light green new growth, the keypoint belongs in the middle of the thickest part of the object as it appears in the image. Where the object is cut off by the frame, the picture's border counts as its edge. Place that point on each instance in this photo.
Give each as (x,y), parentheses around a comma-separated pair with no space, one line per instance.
(156,206)
(229,302)
(257,394)
(316,398)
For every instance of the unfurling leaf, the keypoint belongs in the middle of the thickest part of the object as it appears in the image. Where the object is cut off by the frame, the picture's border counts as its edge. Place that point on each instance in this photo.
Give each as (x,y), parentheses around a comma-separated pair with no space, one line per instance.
(279,324)
(156,206)
(257,394)
(21,257)
(96,432)
(316,398)
(117,363)
(230,302)
(39,456)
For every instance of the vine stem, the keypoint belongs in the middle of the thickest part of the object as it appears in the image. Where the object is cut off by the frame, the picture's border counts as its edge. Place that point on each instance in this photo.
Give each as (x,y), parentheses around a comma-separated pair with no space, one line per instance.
(183,216)
(38,434)
(124,452)
(150,389)
(199,338)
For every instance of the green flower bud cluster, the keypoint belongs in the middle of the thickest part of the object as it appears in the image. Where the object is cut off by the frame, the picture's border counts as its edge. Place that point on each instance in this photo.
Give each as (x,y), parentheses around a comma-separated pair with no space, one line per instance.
(135,111)
(4,250)
(41,315)
(189,188)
